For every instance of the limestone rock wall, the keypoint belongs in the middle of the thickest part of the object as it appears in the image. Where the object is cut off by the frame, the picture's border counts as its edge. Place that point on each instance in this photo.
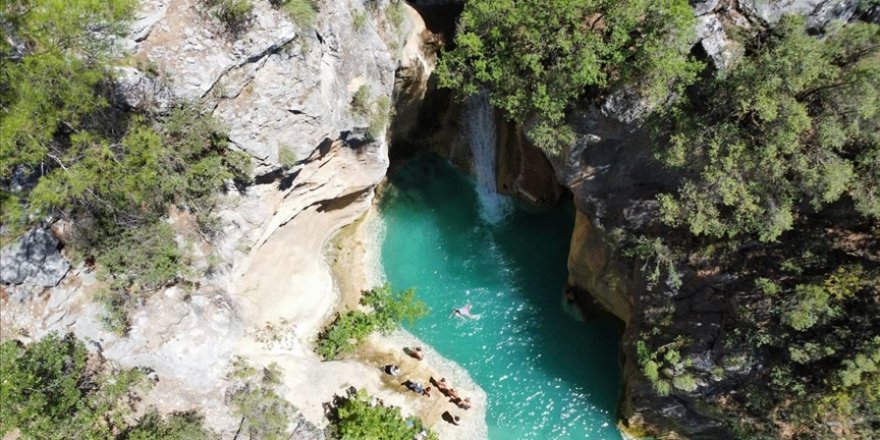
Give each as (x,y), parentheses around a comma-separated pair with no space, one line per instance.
(614,181)
(275,85)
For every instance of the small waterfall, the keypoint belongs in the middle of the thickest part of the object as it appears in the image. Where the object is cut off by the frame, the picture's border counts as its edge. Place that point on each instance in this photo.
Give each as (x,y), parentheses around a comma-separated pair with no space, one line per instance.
(482,137)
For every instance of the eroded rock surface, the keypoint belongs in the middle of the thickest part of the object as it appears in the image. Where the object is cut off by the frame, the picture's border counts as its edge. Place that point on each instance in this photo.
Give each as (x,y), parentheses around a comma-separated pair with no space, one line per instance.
(282,90)
(33,258)
(819,12)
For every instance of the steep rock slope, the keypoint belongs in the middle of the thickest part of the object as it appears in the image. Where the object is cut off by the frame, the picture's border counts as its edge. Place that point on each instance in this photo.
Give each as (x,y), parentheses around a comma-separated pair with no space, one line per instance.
(614,179)
(262,287)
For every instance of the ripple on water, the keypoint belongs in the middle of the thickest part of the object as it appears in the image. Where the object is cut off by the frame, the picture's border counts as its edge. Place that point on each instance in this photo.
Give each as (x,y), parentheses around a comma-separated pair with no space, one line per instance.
(546,375)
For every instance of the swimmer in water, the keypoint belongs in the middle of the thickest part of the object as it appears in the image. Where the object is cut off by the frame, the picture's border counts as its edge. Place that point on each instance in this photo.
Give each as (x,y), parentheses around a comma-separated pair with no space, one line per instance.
(465,312)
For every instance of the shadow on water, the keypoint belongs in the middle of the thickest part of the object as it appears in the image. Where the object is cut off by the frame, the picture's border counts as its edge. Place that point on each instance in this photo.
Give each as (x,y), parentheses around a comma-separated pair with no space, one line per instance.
(547,375)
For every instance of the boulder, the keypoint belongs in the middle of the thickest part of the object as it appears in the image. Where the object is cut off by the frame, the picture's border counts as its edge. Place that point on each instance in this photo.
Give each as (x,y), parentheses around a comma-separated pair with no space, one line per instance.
(713,39)
(33,258)
(702,7)
(141,91)
(819,12)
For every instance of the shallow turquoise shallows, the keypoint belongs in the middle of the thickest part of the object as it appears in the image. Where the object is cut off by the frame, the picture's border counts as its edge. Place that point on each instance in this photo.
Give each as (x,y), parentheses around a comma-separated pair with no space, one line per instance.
(547,375)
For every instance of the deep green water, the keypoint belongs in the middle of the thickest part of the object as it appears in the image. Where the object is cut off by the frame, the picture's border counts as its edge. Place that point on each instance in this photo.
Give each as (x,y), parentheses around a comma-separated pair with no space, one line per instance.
(547,375)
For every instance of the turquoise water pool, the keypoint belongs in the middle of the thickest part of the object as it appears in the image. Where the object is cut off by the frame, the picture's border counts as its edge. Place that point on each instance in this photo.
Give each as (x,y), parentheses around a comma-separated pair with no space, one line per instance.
(547,375)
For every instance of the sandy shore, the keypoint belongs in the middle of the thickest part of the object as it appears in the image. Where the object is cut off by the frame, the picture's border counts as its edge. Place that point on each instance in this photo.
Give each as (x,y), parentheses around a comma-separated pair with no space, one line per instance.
(355,260)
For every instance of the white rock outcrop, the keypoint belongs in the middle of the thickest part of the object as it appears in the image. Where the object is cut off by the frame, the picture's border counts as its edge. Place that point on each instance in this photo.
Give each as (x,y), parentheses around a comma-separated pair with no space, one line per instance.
(275,85)
(819,12)
(34,258)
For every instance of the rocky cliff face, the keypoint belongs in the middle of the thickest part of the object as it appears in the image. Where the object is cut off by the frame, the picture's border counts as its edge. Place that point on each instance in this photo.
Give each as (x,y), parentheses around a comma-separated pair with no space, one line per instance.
(613,179)
(284,91)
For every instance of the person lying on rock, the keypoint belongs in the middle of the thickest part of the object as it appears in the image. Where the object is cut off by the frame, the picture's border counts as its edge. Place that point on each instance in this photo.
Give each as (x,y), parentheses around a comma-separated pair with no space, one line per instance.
(451,393)
(463,404)
(414,387)
(449,418)
(415,353)
(440,384)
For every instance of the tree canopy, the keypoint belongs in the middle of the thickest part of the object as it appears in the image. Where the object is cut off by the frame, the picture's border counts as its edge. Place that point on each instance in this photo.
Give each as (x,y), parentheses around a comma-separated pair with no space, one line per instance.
(536,59)
(795,126)
(67,152)
(54,56)
(52,389)
(388,311)
(358,417)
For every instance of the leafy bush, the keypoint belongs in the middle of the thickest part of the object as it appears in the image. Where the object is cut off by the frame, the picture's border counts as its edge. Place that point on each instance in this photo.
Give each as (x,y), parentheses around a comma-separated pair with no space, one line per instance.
(302,12)
(51,390)
(536,59)
(359,20)
(379,117)
(115,314)
(344,334)
(395,13)
(685,382)
(177,426)
(233,13)
(658,259)
(809,305)
(253,396)
(351,328)
(664,367)
(145,257)
(357,418)
(286,156)
(360,101)
(141,260)
(795,124)
(377,112)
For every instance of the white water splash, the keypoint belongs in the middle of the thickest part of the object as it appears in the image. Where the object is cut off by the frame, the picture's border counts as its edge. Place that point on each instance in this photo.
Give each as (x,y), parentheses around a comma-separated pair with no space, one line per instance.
(374,235)
(482,138)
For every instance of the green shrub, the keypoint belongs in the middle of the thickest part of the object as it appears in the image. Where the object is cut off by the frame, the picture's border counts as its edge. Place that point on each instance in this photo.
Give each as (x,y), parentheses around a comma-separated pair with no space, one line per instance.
(286,156)
(360,101)
(792,125)
(767,286)
(302,12)
(377,112)
(344,334)
(177,426)
(264,413)
(685,382)
(359,20)
(662,387)
(115,314)
(134,264)
(537,59)
(395,13)
(388,310)
(143,258)
(665,361)
(357,419)
(658,258)
(50,389)
(379,118)
(809,305)
(234,14)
